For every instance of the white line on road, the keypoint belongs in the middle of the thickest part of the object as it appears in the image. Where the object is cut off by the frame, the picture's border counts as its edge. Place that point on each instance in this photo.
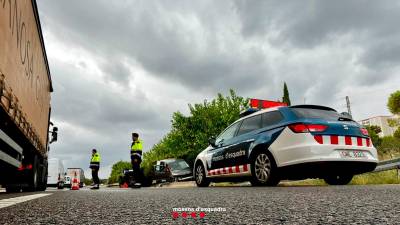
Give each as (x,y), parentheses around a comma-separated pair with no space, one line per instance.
(12,201)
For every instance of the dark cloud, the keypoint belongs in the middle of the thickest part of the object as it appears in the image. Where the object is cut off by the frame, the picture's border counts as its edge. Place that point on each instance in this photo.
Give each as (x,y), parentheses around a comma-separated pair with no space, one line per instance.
(115,70)
(310,23)
(158,40)
(95,105)
(368,25)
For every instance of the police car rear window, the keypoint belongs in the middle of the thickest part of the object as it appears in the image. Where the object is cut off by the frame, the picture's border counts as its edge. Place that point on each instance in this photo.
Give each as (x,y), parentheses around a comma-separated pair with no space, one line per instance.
(316,113)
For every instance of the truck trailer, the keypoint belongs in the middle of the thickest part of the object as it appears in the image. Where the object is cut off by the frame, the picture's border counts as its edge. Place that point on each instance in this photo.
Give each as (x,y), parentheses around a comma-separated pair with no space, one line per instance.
(25,93)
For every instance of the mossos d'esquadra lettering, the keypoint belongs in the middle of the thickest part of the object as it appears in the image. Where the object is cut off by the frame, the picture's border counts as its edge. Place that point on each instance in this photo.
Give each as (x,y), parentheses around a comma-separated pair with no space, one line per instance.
(24,45)
(229,155)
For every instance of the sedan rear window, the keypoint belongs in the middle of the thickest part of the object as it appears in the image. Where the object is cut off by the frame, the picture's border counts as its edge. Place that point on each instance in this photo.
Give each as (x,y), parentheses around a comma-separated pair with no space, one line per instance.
(316,114)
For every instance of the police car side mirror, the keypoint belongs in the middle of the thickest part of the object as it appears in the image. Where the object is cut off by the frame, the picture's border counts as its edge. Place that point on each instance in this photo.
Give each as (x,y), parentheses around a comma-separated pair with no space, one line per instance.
(54,135)
(211,141)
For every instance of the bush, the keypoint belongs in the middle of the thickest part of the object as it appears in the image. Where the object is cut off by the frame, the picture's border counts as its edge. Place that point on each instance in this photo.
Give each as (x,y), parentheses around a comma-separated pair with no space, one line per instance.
(117,170)
(397,133)
(389,146)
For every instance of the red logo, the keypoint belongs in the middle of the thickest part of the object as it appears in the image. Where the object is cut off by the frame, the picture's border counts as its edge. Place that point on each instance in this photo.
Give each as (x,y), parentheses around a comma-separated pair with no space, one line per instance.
(175,215)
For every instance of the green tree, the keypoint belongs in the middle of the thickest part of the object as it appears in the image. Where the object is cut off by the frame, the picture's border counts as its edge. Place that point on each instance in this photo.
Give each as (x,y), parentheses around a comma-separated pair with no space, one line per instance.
(189,134)
(116,171)
(394,102)
(397,133)
(286,98)
(394,107)
(373,132)
(394,122)
(87,181)
(374,128)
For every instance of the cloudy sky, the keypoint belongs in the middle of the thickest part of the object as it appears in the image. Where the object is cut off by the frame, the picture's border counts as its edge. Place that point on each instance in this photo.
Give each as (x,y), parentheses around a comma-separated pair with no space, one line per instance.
(123,66)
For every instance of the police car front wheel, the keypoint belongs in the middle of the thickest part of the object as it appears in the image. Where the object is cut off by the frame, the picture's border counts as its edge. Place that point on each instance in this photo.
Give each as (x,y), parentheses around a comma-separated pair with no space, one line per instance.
(200,176)
(263,171)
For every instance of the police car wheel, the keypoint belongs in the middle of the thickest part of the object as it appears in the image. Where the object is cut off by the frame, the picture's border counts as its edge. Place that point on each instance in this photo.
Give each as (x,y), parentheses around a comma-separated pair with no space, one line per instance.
(263,171)
(338,179)
(200,176)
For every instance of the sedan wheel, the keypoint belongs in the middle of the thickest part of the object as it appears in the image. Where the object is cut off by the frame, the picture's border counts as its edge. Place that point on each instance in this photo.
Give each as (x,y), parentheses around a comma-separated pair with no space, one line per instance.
(263,171)
(262,168)
(200,176)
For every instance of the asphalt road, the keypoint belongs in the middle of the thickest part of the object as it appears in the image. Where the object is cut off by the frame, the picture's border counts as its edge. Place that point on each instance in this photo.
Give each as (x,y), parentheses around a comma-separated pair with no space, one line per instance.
(235,205)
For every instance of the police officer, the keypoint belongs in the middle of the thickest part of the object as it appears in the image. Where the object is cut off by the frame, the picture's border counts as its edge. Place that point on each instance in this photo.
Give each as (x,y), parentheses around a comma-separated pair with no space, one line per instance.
(95,166)
(136,157)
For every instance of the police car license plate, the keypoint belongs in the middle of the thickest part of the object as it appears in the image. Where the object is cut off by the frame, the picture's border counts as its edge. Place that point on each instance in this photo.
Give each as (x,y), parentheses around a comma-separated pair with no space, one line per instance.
(352,154)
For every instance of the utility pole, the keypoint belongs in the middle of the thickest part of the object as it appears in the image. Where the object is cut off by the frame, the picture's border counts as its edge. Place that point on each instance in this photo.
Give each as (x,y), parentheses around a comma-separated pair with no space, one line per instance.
(348,105)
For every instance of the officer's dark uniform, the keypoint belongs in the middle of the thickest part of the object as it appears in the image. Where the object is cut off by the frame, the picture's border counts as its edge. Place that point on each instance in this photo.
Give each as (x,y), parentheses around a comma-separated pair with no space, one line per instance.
(136,158)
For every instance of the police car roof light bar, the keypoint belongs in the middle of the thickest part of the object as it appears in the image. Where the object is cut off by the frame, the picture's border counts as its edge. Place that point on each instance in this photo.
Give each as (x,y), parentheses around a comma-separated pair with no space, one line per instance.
(264,104)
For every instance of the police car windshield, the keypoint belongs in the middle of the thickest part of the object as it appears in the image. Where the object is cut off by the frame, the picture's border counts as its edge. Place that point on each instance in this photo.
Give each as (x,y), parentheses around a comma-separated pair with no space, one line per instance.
(178,165)
(316,114)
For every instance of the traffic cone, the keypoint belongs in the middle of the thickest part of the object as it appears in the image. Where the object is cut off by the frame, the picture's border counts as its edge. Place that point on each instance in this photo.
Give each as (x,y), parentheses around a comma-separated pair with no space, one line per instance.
(75,183)
(124,185)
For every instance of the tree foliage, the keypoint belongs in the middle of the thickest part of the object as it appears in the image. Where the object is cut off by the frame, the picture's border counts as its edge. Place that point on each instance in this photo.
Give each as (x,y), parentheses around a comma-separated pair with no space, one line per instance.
(373,132)
(189,134)
(87,181)
(394,102)
(286,97)
(397,133)
(117,169)
(374,128)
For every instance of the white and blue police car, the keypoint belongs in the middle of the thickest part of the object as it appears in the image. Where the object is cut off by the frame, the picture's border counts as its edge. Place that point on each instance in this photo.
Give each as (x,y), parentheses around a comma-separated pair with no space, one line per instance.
(291,143)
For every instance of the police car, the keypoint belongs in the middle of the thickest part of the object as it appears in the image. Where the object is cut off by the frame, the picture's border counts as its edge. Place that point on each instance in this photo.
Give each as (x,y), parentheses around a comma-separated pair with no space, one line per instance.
(291,143)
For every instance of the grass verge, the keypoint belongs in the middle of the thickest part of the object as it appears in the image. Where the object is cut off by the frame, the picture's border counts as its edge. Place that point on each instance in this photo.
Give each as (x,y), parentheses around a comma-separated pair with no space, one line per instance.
(384,177)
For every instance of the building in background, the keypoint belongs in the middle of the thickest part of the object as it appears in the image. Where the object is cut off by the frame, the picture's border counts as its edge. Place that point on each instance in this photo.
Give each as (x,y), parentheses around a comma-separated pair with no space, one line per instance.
(382,122)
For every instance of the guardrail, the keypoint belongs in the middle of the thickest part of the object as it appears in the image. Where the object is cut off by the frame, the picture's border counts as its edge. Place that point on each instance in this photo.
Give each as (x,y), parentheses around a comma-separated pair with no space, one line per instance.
(388,165)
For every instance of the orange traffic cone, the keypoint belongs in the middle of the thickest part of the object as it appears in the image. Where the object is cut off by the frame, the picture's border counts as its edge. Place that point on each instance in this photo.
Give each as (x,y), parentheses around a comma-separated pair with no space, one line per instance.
(124,185)
(75,183)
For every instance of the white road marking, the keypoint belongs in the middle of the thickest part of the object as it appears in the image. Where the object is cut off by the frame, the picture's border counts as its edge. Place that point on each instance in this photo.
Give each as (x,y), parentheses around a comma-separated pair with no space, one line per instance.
(12,201)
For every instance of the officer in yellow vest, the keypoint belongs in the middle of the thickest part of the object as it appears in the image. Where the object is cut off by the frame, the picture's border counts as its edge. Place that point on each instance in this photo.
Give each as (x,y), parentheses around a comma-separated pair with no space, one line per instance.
(136,157)
(95,166)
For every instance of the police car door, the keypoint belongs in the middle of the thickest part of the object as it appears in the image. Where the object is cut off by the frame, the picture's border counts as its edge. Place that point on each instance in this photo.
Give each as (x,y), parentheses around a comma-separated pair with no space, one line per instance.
(237,155)
(216,156)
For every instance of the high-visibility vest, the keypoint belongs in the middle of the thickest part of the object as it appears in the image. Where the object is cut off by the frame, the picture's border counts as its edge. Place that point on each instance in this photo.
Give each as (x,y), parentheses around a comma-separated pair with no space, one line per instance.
(95,161)
(137,147)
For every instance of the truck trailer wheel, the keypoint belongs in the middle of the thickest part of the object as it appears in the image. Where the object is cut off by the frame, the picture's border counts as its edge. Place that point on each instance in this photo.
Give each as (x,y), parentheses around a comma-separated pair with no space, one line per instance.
(33,177)
(60,185)
(42,184)
(13,189)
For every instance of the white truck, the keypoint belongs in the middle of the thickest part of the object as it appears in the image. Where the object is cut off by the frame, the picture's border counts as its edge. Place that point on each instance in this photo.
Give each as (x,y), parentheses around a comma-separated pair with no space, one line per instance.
(56,173)
(78,172)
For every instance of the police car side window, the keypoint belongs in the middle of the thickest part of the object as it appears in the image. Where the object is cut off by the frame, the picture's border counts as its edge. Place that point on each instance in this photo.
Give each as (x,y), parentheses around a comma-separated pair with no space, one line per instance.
(228,133)
(271,118)
(250,124)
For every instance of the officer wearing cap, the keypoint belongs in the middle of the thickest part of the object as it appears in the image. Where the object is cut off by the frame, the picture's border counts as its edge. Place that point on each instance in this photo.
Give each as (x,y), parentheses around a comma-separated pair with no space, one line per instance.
(136,156)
